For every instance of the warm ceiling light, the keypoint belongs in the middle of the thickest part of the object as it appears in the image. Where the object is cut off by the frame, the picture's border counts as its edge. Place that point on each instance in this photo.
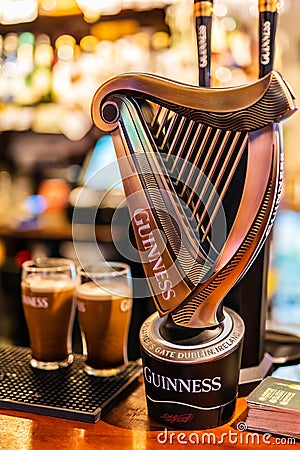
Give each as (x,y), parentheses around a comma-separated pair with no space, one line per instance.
(88,43)
(18,11)
(58,7)
(48,5)
(92,9)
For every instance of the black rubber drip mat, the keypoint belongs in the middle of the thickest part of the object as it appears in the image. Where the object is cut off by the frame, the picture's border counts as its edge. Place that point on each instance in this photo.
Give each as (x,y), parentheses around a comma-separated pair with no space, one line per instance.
(67,393)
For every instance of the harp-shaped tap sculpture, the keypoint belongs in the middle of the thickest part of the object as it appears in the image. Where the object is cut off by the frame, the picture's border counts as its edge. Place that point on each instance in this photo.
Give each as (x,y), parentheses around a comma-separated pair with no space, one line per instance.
(202,173)
(205,170)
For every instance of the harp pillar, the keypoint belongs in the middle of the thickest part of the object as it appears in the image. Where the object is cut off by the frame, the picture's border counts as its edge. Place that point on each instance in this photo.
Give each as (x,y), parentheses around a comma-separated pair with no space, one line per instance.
(249,299)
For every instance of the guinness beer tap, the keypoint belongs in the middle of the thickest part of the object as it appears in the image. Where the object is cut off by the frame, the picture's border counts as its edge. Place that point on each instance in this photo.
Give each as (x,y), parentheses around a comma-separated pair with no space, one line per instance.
(267,31)
(191,159)
(203,21)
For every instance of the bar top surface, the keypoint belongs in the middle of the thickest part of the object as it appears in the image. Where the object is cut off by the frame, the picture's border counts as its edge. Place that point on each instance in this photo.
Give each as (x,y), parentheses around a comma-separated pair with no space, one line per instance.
(126,426)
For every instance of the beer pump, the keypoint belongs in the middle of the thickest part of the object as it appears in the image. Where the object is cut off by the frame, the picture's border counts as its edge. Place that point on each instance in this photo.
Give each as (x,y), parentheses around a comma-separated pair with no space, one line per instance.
(191,159)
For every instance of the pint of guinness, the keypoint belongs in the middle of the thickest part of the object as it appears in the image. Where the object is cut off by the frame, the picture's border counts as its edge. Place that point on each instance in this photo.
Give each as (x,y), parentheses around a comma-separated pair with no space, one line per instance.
(48,286)
(104,303)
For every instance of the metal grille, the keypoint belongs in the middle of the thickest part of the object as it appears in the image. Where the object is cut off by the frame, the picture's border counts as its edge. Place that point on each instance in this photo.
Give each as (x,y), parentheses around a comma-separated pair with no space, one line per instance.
(67,393)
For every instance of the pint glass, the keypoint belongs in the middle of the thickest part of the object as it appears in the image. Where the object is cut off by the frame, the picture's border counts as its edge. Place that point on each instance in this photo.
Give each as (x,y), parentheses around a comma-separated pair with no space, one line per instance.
(104,302)
(48,286)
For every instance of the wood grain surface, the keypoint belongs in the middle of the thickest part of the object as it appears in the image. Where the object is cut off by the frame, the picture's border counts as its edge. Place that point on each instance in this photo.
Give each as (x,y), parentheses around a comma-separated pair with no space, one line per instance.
(126,426)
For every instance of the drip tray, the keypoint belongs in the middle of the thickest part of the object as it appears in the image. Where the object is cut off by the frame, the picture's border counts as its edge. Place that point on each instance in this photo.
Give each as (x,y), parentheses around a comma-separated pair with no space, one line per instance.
(67,393)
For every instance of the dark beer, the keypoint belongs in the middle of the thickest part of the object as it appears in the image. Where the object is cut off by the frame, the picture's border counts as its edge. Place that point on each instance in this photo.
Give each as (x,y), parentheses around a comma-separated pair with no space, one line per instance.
(104,316)
(49,311)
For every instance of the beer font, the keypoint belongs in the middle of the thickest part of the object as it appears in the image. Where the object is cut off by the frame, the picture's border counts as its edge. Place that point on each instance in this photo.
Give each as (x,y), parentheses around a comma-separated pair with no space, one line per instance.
(202,171)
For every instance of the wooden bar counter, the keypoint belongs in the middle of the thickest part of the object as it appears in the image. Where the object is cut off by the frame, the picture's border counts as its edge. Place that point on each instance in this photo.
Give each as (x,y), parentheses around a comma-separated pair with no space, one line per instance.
(126,426)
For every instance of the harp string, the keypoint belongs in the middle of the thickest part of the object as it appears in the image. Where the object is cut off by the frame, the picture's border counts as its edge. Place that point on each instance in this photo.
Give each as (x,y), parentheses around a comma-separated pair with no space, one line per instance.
(157,109)
(203,181)
(197,157)
(219,178)
(211,173)
(173,147)
(192,154)
(186,161)
(161,124)
(165,124)
(221,196)
(182,147)
(169,130)
(201,176)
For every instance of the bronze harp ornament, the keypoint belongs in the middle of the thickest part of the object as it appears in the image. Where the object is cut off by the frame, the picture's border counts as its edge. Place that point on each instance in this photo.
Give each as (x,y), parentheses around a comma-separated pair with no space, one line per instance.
(202,172)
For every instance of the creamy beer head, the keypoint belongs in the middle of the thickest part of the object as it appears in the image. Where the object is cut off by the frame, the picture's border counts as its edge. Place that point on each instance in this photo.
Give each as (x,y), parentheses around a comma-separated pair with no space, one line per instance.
(108,291)
(36,291)
(39,283)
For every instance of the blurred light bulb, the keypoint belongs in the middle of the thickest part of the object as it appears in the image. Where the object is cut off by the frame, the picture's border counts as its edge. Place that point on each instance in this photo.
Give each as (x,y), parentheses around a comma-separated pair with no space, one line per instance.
(223,74)
(65,52)
(18,11)
(220,9)
(228,23)
(48,5)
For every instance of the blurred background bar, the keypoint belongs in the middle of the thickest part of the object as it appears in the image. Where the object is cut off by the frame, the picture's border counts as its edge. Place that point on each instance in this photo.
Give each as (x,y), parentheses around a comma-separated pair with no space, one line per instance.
(53,56)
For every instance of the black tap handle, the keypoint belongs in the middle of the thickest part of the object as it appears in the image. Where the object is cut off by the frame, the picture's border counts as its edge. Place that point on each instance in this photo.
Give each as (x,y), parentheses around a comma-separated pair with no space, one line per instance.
(203,21)
(267,32)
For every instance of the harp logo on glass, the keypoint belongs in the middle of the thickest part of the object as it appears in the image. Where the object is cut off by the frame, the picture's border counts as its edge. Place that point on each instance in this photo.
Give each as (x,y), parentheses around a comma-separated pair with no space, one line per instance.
(202,38)
(266,43)
(141,220)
